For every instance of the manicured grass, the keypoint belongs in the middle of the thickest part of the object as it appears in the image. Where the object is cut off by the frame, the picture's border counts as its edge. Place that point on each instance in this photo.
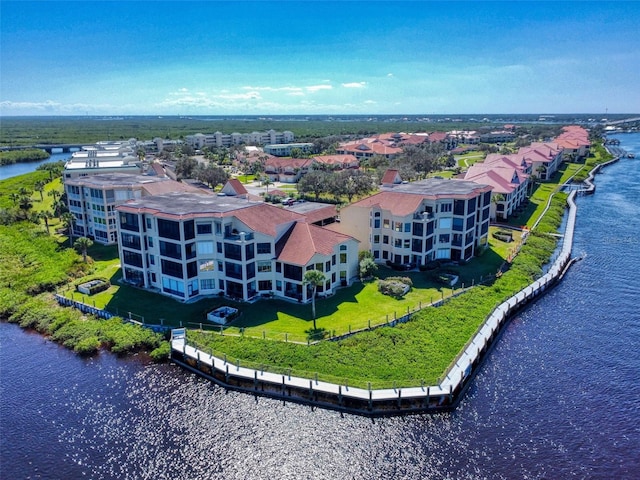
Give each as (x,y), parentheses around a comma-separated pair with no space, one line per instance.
(280,319)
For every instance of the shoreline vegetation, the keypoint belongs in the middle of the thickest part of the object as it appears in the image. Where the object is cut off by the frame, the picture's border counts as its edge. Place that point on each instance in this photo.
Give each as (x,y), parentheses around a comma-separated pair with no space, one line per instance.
(34,264)
(22,156)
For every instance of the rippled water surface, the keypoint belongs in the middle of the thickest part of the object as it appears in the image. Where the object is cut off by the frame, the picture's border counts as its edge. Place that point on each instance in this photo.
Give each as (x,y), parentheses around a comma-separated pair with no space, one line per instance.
(559,396)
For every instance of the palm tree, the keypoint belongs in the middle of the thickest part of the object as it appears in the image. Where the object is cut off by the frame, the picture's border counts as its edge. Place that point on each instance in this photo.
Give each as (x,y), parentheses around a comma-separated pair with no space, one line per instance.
(82,244)
(45,216)
(67,220)
(54,194)
(39,187)
(314,279)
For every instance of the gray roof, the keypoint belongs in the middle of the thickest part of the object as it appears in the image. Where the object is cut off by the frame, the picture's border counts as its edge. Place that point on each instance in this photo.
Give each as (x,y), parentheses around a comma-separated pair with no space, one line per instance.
(435,186)
(114,179)
(190,203)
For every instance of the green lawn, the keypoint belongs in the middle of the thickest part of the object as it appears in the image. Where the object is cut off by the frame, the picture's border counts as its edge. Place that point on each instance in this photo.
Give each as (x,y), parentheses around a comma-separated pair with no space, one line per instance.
(351,308)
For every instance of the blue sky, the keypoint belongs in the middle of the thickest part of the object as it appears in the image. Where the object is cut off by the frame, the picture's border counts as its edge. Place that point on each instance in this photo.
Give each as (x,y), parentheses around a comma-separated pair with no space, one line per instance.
(261,58)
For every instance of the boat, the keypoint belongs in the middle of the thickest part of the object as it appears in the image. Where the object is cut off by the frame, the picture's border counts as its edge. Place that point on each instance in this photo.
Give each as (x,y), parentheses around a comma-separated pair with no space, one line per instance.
(631,155)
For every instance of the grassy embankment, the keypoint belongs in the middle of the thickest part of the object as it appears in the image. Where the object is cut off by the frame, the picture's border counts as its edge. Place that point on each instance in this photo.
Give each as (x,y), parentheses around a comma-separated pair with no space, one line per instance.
(33,264)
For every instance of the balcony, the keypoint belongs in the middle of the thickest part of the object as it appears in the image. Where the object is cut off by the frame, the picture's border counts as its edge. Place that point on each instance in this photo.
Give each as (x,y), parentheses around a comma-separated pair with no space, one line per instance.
(424,216)
(239,237)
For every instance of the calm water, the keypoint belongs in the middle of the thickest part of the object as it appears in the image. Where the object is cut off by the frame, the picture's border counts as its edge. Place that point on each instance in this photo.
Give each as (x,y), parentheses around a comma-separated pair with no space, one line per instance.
(559,396)
(8,171)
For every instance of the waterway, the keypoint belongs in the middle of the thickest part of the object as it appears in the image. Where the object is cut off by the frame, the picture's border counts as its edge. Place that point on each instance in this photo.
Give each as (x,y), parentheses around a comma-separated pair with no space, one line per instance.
(558,397)
(15,169)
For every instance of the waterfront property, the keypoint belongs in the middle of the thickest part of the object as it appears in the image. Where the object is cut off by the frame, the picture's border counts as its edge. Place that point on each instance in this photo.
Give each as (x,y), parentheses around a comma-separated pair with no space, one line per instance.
(509,180)
(412,224)
(219,139)
(92,200)
(192,245)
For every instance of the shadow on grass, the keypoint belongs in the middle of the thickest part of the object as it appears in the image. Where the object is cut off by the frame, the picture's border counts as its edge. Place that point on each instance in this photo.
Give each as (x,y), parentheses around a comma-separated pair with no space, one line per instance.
(315,334)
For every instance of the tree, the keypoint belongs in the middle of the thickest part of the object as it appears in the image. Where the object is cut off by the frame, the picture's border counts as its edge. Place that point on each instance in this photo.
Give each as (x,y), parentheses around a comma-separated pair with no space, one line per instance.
(368,267)
(315,182)
(67,220)
(15,197)
(25,204)
(211,175)
(185,167)
(39,187)
(82,244)
(45,216)
(313,279)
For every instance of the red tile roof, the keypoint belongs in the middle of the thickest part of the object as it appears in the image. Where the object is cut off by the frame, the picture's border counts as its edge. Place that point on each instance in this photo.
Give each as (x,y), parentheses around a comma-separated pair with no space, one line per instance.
(264,217)
(396,202)
(303,241)
(390,177)
(237,186)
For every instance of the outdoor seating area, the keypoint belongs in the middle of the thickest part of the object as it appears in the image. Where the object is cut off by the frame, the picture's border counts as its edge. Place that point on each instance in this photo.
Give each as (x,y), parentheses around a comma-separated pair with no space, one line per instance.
(222,315)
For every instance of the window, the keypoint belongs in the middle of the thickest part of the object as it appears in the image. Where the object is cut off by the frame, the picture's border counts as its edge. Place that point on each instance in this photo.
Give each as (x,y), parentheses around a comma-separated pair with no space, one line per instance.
(265,285)
(152,260)
(218,228)
(129,221)
(168,249)
(149,242)
(175,287)
(458,207)
(205,248)
(444,238)
(343,258)
(251,270)
(132,258)
(292,272)
(264,248)
(386,223)
(458,224)
(385,239)
(446,207)
(249,250)
(445,223)
(264,266)
(192,269)
(189,230)
(190,250)
(204,228)
(130,241)
(232,251)
(206,265)
(173,269)
(418,229)
(406,243)
(207,284)
(376,239)
(397,242)
(471,221)
(376,223)
(471,204)
(148,221)
(233,270)
(416,245)
(169,229)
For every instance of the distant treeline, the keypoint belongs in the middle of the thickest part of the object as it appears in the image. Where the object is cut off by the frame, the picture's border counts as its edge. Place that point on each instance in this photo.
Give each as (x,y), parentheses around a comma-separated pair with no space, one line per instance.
(18,156)
(56,130)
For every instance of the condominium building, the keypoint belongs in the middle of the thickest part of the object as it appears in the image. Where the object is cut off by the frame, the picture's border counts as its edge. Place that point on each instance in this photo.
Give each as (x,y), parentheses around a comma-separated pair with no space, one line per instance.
(508,176)
(92,200)
(191,245)
(219,139)
(411,224)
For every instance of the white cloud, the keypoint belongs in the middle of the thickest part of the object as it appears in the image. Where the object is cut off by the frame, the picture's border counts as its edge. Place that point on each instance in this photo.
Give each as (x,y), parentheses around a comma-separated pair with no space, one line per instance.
(370,102)
(317,88)
(355,85)
(389,74)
